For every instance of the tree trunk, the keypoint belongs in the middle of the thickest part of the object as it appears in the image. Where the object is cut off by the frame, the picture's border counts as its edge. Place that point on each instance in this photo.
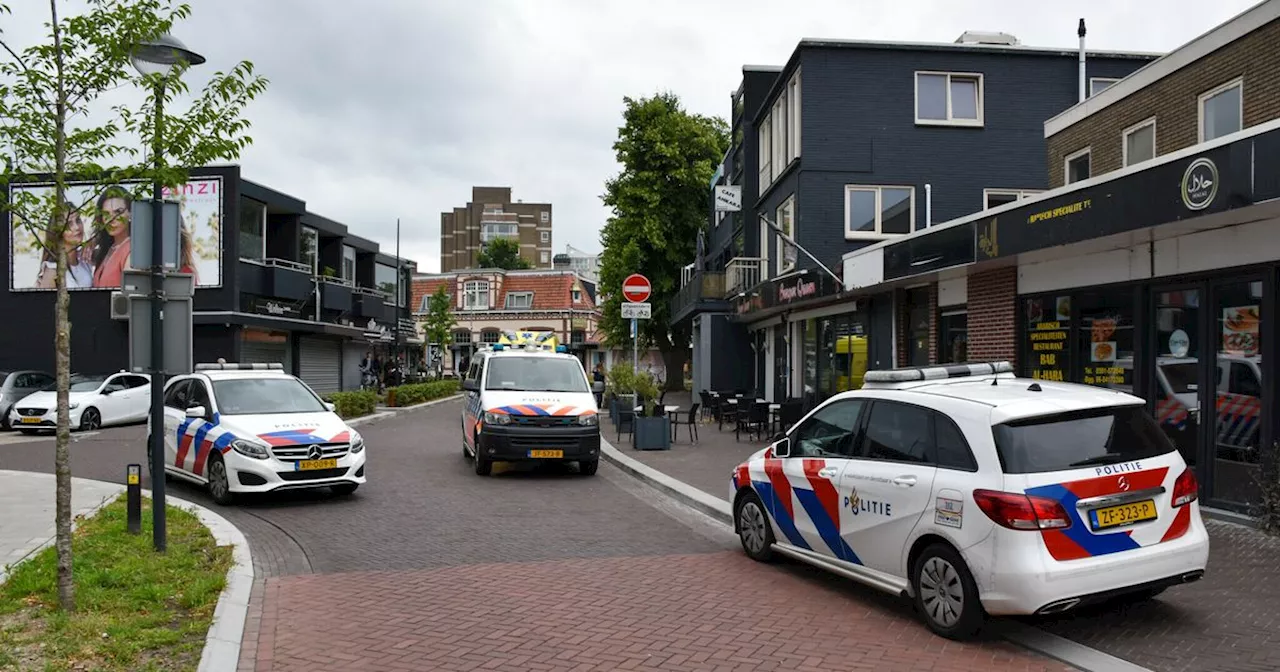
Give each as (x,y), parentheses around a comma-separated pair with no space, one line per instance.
(674,361)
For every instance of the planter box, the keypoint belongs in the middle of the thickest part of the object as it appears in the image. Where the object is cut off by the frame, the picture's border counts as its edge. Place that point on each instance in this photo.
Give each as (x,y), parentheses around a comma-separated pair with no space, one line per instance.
(653,433)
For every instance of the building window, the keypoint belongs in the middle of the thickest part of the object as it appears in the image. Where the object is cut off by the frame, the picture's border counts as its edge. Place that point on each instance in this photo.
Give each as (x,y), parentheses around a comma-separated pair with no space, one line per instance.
(519,300)
(490,231)
(253,229)
(1076,166)
(1099,84)
(490,336)
(577,295)
(462,337)
(949,98)
(953,337)
(475,295)
(779,127)
(385,277)
(793,118)
(544,236)
(1140,142)
(309,248)
(874,212)
(1222,111)
(492,210)
(766,169)
(544,216)
(348,263)
(546,257)
(994,198)
(577,336)
(785,219)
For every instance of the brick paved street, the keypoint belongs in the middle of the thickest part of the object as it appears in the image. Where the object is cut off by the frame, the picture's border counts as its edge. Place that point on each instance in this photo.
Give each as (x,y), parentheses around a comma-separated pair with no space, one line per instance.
(432,567)
(1227,622)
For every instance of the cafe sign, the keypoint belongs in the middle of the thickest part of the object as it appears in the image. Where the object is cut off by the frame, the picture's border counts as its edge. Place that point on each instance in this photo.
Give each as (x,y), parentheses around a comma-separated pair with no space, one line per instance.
(273,307)
(800,289)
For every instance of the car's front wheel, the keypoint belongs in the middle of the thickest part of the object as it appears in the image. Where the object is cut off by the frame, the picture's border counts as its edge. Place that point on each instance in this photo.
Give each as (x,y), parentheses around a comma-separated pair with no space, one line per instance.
(482,465)
(946,594)
(90,419)
(754,531)
(219,480)
(588,467)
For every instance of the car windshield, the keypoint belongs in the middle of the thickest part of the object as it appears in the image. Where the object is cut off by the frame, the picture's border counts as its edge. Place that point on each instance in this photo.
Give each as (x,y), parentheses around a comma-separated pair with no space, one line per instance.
(1079,439)
(535,374)
(79,383)
(255,396)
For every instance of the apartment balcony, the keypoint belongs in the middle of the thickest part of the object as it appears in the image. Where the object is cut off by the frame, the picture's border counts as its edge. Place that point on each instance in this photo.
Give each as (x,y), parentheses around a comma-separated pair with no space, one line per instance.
(701,292)
(369,303)
(741,274)
(335,293)
(278,278)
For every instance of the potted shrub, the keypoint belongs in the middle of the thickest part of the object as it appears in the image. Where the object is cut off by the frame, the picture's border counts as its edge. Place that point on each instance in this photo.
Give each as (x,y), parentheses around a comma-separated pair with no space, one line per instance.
(650,433)
(621,383)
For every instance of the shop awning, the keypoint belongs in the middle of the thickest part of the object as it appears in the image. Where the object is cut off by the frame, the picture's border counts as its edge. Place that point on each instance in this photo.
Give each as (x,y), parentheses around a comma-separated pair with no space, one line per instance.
(275,323)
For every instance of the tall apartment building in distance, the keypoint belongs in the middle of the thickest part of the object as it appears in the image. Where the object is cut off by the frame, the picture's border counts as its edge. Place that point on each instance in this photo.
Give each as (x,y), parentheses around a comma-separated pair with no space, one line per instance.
(491,214)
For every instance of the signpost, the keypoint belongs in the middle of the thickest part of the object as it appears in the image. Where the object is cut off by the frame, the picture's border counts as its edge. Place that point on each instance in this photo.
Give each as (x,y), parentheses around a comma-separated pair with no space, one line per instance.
(636,290)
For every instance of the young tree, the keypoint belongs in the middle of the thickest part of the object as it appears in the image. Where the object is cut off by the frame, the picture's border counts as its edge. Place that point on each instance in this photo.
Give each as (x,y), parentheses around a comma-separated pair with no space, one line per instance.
(659,204)
(48,93)
(439,322)
(502,253)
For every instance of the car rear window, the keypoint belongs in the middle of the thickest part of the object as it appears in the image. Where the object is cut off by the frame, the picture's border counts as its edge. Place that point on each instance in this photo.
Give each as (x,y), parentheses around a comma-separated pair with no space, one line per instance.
(1079,439)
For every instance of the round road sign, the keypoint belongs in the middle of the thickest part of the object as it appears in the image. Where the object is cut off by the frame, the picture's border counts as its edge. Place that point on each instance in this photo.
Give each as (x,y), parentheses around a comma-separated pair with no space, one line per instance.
(636,288)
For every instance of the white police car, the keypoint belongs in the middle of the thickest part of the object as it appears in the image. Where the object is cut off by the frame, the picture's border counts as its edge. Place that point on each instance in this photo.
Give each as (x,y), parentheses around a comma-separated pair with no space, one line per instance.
(977,493)
(239,428)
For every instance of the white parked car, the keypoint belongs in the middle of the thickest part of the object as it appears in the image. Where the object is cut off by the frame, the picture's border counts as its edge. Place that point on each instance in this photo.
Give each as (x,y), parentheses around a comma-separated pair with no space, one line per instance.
(977,493)
(94,401)
(239,428)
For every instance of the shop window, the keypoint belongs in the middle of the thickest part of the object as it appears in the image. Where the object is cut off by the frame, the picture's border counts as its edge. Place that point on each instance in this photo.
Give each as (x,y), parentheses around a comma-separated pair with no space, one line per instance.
(1048,327)
(1237,418)
(953,337)
(1104,344)
(1178,356)
(462,337)
(918,327)
(490,336)
(253,229)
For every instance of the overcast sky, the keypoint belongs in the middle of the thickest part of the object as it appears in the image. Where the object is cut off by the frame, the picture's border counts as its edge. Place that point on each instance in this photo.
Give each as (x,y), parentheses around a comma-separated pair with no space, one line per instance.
(381,109)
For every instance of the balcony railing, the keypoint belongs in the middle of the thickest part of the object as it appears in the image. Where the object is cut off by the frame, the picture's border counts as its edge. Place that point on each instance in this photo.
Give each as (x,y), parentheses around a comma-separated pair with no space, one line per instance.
(741,274)
(701,286)
(686,275)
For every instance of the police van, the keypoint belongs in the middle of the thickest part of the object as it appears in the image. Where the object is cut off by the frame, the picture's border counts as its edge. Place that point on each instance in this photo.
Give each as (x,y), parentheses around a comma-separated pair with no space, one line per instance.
(528,400)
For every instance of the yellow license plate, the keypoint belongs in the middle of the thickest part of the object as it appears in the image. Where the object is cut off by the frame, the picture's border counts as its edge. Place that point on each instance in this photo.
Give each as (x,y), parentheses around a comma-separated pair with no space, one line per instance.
(1123,514)
(311,465)
(31,421)
(546,453)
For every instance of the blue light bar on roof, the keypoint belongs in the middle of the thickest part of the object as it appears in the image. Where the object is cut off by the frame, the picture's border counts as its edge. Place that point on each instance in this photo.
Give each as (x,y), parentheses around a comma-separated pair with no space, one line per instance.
(937,372)
(224,366)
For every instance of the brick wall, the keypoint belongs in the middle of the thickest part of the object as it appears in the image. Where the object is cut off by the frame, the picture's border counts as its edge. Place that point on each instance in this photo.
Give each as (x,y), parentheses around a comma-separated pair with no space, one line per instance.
(993,300)
(1174,102)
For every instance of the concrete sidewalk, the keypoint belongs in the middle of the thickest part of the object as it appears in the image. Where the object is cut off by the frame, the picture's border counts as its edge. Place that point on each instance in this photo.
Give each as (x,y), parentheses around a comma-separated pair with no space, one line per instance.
(27,515)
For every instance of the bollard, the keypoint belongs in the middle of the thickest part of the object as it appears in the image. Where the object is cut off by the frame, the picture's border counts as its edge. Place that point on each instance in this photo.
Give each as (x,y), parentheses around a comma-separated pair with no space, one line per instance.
(133,482)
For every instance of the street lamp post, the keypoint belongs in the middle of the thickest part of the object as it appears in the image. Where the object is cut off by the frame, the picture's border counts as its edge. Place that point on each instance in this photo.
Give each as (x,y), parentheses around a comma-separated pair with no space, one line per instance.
(159,57)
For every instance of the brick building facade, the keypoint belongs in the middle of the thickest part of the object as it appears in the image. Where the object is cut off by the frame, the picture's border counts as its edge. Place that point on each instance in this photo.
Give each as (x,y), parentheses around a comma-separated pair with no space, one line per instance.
(491,214)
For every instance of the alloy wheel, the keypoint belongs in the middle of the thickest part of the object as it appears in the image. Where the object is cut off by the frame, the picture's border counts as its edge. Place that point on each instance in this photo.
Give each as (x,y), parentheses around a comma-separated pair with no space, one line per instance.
(218,479)
(752,527)
(91,419)
(941,592)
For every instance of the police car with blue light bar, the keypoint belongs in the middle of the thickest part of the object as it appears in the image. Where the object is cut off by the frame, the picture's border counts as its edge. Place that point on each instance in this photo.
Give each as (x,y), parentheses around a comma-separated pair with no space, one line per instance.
(974,492)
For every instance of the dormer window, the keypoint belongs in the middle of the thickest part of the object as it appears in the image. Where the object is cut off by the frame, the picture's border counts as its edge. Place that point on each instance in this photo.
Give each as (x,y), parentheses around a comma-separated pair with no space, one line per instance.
(519,300)
(577,295)
(475,295)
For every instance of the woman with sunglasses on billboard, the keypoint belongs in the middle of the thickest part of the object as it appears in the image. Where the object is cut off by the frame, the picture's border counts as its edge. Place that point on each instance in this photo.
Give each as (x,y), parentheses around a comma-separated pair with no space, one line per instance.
(79,272)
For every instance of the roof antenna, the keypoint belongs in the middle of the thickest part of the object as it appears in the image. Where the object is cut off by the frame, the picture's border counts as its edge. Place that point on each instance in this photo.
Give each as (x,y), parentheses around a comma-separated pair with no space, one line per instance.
(1035,387)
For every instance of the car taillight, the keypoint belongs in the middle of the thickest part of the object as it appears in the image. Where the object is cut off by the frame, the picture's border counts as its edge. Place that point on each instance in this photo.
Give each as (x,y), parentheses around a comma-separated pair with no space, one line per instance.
(1186,489)
(1022,512)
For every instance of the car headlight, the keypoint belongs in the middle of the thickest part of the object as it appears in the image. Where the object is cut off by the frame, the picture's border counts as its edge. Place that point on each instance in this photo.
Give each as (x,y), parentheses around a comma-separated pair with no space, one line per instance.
(589,420)
(496,418)
(73,405)
(250,449)
(357,443)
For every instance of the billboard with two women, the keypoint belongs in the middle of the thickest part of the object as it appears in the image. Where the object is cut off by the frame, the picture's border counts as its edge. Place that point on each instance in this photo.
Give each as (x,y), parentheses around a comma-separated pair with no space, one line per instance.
(97,236)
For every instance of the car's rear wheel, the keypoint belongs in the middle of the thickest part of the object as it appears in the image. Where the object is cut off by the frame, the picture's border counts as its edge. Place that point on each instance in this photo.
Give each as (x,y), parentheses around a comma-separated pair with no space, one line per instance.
(754,531)
(90,420)
(219,480)
(588,467)
(344,489)
(946,594)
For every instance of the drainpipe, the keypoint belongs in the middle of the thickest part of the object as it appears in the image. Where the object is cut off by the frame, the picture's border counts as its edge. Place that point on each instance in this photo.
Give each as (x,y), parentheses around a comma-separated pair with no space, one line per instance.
(928,205)
(1083,80)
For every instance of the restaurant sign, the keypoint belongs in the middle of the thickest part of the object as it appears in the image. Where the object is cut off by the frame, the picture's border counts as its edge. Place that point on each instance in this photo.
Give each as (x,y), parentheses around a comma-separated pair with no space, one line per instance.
(788,291)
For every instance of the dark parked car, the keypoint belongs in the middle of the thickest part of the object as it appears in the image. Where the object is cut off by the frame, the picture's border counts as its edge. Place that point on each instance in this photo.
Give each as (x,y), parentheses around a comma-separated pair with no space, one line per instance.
(17,385)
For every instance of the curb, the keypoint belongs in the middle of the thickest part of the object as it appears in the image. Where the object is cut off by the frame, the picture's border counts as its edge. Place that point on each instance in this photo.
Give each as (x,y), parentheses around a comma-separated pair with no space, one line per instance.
(92,511)
(1030,638)
(425,404)
(394,410)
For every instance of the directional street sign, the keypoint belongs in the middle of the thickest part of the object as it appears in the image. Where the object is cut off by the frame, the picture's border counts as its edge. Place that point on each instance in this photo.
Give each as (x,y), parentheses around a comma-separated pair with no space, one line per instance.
(636,288)
(633,311)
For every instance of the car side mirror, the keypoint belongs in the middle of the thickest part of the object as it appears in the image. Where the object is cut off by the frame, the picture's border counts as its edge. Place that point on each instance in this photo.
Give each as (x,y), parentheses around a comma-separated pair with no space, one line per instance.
(196,412)
(597,387)
(330,406)
(782,448)
(778,437)
(470,385)
(108,391)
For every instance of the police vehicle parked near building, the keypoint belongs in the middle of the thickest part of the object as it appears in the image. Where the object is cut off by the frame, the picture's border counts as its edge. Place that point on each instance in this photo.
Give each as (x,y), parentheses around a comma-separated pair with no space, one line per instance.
(529,401)
(977,493)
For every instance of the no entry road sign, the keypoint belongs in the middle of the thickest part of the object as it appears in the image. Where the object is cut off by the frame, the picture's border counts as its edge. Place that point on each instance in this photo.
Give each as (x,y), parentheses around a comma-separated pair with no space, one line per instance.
(636,288)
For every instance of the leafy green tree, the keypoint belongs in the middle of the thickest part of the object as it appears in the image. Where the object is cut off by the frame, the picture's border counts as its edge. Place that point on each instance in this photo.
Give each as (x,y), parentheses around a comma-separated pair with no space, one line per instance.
(659,203)
(439,322)
(502,253)
(48,92)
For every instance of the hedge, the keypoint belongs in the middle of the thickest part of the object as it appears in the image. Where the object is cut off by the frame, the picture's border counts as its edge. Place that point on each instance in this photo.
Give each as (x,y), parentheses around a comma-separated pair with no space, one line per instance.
(354,404)
(408,395)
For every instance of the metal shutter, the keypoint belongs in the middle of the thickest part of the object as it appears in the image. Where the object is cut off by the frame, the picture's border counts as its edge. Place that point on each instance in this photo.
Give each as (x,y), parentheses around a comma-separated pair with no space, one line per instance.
(252,352)
(320,364)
